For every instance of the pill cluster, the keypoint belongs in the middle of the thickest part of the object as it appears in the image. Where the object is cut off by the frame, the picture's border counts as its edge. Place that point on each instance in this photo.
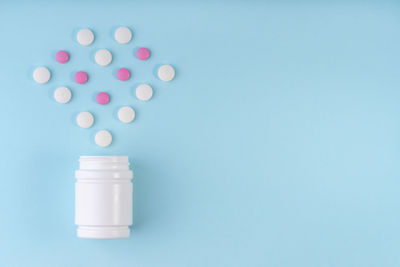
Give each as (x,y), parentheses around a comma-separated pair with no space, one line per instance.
(103,57)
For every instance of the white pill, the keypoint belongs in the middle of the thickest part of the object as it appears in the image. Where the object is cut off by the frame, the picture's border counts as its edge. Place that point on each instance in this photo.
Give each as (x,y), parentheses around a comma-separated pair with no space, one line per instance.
(62,95)
(166,73)
(123,35)
(85,37)
(85,119)
(126,114)
(41,75)
(144,92)
(103,138)
(103,57)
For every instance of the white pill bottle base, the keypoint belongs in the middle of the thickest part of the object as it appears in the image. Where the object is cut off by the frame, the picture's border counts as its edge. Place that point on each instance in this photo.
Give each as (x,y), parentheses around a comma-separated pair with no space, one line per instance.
(103,197)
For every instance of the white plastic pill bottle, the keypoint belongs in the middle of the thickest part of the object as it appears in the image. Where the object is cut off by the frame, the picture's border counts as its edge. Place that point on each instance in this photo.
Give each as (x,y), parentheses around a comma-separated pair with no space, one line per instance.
(103,197)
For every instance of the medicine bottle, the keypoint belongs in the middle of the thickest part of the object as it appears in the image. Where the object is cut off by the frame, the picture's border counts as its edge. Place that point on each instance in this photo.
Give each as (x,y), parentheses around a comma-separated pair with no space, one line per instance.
(103,197)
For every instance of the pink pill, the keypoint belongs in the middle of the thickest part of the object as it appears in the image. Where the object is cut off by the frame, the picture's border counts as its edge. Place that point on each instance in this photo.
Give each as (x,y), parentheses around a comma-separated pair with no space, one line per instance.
(102,98)
(123,74)
(81,77)
(62,56)
(143,53)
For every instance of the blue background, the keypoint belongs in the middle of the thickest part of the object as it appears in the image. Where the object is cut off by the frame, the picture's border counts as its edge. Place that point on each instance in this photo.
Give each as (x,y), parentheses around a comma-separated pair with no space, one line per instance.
(278,143)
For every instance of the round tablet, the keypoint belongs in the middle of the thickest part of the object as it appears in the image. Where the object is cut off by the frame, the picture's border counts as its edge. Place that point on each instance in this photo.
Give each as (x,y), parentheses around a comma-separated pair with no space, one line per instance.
(62,95)
(103,57)
(144,92)
(166,73)
(103,138)
(62,56)
(123,74)
(85,119)
(85,37)
(123,35)
(126,114)
(103,98)
(81,77)
(143,53)
(41,75)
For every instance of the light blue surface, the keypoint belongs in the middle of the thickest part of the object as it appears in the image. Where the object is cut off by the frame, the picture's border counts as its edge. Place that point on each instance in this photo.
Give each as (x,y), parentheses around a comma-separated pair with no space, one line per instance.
(278,143)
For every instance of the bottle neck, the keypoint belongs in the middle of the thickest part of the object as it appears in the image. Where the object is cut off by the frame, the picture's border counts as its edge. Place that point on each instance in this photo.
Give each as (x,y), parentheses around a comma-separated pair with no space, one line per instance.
(102,168)
(104,163)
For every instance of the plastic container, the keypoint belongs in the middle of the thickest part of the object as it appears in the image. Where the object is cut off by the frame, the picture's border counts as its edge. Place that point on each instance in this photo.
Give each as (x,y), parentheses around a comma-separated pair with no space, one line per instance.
(103,197)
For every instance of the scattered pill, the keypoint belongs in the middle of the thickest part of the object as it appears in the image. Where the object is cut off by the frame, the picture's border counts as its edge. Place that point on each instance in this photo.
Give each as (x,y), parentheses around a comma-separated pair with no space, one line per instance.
(103,98)
(85,37)
(126,114)
(103,57)
(85,119)
(62,56)
(144,92)
(166,73)
(123,35)
(103,138)
(81,77)
(62,95)
(41,75)
(143,53)
(123,74)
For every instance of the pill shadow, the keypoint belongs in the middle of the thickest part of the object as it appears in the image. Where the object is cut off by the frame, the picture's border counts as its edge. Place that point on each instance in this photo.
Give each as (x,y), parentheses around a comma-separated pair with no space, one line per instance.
(50,93)
(53,54)
(150,193)
(142,181)
(91,56)
(114,73)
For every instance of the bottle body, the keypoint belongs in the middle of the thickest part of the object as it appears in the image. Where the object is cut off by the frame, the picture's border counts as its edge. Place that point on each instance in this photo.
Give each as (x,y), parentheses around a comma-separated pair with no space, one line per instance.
(103,197)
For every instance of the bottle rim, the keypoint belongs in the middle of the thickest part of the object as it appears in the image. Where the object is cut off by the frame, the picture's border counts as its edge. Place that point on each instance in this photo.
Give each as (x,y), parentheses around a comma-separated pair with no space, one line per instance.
(104,158)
